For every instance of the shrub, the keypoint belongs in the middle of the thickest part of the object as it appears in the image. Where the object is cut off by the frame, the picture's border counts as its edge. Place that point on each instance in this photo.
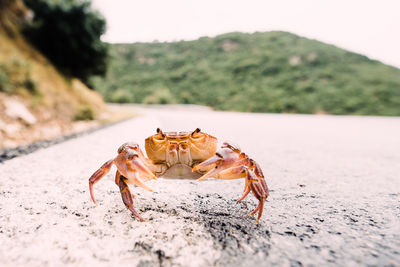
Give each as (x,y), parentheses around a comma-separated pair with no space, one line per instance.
(68,33)
(15,76)
(160,96)
(84,114)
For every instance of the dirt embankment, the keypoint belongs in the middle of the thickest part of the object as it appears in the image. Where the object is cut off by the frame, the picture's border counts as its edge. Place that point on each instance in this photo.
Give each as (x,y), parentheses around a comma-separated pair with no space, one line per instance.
(36,101)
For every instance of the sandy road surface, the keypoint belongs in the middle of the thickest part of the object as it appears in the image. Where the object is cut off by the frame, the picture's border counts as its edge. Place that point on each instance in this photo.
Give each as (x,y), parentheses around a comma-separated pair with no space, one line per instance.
(335,198)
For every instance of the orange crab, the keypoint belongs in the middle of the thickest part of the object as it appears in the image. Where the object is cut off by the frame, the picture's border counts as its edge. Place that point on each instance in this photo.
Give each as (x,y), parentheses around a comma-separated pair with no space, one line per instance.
(185,155)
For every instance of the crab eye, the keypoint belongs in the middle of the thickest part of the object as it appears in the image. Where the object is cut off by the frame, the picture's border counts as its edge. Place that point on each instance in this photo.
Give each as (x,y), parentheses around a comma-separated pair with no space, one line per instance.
(159,132)
(197,133)
(134,147)
(160,135)
(131,156)
(122,148)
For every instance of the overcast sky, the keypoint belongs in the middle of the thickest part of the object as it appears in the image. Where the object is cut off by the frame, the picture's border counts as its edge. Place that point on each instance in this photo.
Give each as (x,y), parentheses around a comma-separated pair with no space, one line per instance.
(368,27)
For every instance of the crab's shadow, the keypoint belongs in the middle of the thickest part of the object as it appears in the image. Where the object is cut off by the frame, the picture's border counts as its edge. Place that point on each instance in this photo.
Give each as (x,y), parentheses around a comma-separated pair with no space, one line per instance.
(228,223)
(233,233)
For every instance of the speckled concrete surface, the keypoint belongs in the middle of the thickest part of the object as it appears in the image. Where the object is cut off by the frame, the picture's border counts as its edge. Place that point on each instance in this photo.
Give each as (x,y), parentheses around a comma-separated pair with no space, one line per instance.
(335,198)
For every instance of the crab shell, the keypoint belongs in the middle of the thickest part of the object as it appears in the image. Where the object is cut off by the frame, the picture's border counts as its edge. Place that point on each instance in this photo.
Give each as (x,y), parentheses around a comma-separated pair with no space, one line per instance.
(180,151)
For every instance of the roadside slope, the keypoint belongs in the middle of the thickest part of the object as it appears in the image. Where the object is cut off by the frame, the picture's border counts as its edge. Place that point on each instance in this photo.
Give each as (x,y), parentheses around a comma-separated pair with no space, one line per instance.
(29,82)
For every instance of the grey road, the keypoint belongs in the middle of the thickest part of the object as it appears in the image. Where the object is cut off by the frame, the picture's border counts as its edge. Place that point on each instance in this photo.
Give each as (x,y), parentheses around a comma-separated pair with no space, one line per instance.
(335,198)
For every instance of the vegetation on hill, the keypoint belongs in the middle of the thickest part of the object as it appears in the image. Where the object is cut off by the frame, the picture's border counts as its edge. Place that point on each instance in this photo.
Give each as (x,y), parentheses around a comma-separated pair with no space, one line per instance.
(260,72)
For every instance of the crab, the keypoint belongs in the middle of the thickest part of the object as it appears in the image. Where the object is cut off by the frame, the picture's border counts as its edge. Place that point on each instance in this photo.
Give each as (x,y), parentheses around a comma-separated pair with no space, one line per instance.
(182,155)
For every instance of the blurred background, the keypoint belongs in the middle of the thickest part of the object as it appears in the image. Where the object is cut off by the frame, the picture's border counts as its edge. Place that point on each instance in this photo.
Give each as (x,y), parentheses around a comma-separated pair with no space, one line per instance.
(61,61)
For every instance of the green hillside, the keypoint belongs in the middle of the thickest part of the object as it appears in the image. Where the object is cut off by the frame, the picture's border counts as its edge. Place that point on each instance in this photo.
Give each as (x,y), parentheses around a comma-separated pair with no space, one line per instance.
(260,72)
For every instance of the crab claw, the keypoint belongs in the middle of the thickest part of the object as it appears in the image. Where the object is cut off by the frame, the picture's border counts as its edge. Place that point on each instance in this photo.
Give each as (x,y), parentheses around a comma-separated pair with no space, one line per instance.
(210,173)
(138,173)
(134,156)
(207,164)
(222,160)
(136,164)
(133,168)
(259,189)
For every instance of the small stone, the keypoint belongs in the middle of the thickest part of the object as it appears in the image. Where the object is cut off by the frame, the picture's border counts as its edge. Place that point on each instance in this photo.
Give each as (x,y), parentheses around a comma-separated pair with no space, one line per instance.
(9,143)
(2,125)
(12,129)
(16,110)
(50,131)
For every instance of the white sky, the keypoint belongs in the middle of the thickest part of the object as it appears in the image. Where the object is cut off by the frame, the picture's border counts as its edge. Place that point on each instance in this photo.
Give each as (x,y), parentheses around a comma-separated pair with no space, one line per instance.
(368,27)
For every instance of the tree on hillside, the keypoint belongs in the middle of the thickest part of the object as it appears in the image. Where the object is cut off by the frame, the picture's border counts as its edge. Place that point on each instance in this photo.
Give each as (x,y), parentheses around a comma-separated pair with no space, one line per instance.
(68,33)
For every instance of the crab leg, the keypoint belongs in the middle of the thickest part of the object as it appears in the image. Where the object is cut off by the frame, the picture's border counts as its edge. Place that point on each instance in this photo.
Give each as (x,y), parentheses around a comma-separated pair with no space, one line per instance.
(117,177)
(246,192)
(127,197)
(261,193)
(259,209)
(98,175)
(137,181)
